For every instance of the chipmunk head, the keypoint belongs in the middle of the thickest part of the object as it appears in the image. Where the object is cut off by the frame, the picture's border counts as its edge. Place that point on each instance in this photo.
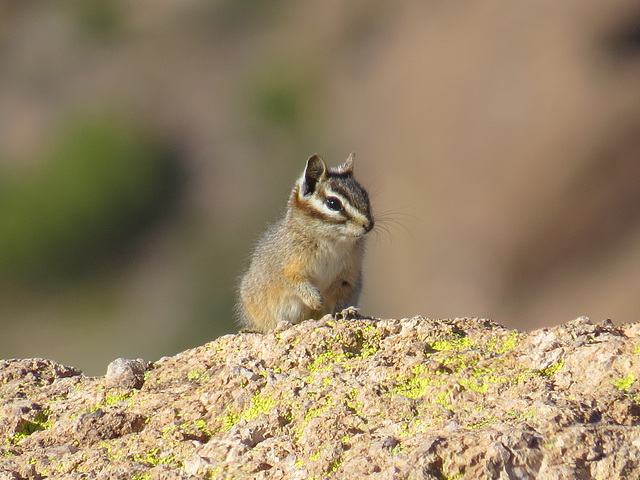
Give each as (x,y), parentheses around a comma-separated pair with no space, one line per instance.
(335,202)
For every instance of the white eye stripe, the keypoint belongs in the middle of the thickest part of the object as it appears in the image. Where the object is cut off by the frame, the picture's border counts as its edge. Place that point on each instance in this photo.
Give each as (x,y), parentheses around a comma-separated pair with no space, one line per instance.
(351,211)
(318,202)
(343,201)
(346,206)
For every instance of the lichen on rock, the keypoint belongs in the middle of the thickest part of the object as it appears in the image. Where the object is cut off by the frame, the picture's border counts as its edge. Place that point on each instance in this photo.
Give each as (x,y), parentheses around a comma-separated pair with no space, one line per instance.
(388,399)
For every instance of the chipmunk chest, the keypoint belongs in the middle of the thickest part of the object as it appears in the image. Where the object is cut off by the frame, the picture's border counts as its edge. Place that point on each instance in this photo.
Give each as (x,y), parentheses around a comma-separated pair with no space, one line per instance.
(329,263)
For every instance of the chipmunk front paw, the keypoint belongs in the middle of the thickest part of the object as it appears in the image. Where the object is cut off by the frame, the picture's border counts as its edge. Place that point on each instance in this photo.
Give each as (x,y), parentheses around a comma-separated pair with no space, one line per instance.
(312,298)
(348,313)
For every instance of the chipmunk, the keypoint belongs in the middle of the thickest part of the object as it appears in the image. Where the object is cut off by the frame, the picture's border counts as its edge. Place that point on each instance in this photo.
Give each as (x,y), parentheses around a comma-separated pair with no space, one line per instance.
(309,263)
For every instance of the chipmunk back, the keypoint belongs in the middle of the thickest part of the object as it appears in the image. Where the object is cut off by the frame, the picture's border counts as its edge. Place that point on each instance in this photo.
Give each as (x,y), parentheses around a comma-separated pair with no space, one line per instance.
(309,263)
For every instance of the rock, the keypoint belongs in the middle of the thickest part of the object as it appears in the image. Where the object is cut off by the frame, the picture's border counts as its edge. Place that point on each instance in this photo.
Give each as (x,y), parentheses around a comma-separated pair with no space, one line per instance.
(7,475)
(384,399)
(126,373)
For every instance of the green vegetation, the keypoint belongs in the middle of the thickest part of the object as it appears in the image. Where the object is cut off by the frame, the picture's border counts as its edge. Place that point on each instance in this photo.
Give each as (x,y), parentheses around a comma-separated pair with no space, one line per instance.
(98,19)
(99,186)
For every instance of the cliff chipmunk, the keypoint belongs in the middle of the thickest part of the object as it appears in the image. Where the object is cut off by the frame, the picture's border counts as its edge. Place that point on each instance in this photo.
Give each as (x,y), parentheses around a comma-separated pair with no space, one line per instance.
(309,263)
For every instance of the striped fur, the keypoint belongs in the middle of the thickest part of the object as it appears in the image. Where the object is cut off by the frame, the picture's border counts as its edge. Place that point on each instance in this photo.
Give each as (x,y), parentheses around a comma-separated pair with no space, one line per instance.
(309,263)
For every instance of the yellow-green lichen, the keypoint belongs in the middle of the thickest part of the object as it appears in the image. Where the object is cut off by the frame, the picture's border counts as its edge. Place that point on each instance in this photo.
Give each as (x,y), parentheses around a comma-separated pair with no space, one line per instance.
(551,369)
(340,351)
(453,477)
(624,383)
(142,476)
(417,385)
(334,465)
(325,361)
(484,372)
(415,426)
(442,399)
(475,384)
(123,399)
(398,449)
(198,376)
(214,472)
(512,341)
(318,410)
(229,421)
(153,458)
(315,456)
(259,404)
(483,423)
(368,339)
(28,427)
(356,407)
(454,363)
(201,424)
(455,344)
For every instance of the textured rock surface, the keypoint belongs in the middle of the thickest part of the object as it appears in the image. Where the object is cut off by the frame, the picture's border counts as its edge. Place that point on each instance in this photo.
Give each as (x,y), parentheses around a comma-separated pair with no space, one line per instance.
(387,399)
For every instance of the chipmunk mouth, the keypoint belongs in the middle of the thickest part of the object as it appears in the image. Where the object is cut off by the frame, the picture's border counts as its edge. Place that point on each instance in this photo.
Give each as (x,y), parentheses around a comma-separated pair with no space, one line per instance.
(368,226)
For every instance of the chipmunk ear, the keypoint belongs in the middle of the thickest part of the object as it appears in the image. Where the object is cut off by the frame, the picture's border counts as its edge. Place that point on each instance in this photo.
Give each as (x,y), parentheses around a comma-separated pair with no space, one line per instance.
(315,172)
(347,166)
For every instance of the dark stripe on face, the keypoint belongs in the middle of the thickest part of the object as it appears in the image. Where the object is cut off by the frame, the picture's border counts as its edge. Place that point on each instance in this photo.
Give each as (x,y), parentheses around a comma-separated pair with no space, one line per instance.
(352,192)
(309,210)
(339,189)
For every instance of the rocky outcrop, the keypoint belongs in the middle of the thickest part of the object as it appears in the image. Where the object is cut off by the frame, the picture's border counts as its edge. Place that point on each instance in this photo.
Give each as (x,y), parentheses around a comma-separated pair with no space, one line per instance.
(386,399)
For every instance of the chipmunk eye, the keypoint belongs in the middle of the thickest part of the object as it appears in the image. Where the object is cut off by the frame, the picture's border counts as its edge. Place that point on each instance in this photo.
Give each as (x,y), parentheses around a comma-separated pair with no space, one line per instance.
(333,203)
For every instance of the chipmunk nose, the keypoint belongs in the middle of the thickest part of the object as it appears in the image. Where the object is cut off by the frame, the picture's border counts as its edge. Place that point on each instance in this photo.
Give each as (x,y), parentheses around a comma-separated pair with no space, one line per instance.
(368,226)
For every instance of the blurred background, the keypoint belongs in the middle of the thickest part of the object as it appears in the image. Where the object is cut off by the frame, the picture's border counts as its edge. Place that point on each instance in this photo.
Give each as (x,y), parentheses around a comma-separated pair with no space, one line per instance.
(144,145)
